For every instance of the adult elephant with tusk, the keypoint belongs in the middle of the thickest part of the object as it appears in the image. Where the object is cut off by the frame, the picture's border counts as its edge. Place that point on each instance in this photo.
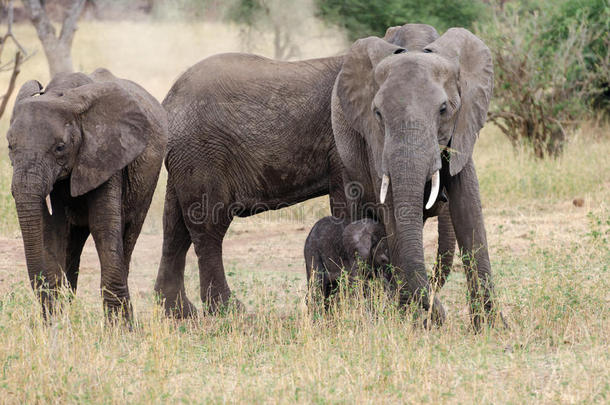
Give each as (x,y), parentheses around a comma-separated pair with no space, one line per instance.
(405,123)
(247,134)
(89,148)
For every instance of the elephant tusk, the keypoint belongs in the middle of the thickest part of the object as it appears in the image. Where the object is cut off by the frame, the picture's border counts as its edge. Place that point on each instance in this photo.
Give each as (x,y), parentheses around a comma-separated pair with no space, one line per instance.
(49,207)
(434,190)
(385,182)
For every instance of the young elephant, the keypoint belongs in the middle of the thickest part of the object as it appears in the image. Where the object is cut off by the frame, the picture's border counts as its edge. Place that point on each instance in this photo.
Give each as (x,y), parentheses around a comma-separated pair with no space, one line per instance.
(91,146)
(333,245)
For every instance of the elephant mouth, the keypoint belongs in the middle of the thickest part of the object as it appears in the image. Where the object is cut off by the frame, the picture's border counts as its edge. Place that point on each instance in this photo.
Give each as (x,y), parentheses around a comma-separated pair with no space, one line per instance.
(433,192)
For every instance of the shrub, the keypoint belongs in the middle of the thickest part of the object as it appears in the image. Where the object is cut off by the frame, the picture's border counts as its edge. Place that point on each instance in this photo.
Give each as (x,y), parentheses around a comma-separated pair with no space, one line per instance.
(285,20)
(551,68)
(362,18)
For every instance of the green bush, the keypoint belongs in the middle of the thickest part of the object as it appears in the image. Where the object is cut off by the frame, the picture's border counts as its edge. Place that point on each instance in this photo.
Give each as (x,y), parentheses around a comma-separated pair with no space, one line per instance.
(186,9)
(363,18)
(595,16)
(551,69)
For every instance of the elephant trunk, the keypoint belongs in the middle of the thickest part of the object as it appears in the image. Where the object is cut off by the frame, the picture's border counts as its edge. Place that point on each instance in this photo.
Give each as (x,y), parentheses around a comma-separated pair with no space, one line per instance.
(29,211)
(410,167)
(29,191)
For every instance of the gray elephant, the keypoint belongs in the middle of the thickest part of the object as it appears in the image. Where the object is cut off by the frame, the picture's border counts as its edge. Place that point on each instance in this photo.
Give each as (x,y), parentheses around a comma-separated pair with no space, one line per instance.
(334,245)
(405,123)
(246,134)
(90,147)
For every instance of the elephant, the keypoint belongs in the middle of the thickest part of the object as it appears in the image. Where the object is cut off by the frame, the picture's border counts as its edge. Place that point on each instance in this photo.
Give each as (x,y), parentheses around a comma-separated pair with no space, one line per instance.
(90,147)
(405,122)
(246,134)
(334,246)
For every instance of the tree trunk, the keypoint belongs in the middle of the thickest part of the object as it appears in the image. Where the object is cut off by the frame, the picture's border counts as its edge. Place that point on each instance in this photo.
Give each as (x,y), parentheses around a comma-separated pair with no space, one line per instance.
(59,58)
(56,48)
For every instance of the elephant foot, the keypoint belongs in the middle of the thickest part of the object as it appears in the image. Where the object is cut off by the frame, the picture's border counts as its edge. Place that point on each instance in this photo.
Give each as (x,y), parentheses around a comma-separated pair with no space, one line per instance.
(436,316)
(221,305)
(492,318)
(180,308)
(119,312)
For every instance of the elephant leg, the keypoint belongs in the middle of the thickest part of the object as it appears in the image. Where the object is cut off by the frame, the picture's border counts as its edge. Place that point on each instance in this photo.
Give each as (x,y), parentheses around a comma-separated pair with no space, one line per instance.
(446,249)
(338,202)
(176,242)
(76,241)
(106,225)
(214,289)
(134,227)
(467,218)
(130,236)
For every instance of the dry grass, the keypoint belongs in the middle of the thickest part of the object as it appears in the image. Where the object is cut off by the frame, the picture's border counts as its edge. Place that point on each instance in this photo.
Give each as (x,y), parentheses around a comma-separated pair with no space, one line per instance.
(550,261)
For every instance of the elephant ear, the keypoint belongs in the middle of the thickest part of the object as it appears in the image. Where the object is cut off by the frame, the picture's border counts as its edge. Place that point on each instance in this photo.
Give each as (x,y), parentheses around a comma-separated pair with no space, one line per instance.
(412,37)
(29,89)
(357,239)
(356,87)
(475,84)
(115,131)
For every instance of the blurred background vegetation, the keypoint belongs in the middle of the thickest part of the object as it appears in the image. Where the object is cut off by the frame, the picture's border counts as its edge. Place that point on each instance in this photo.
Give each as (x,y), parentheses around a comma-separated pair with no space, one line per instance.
(551,57)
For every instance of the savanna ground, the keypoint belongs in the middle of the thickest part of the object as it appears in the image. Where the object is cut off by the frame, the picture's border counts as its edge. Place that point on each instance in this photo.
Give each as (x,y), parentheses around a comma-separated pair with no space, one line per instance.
(550,260)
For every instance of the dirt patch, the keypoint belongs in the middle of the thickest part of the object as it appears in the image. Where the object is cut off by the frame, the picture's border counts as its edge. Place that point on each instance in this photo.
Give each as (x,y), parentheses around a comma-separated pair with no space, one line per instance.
(252,245)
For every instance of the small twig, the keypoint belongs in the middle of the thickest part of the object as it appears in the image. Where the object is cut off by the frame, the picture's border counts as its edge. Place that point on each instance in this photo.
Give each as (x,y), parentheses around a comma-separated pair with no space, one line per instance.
(20,56)
(9,31)
(11,84)
(4,67)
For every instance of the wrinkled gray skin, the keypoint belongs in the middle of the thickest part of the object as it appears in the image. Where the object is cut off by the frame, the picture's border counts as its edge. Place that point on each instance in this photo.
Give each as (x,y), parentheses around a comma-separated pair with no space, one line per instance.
(333,246)
(95,144)
(246,134)
(391,109)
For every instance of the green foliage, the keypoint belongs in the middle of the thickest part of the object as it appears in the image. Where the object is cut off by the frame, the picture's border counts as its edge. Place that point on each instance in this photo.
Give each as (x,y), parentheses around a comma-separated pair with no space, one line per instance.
(363,18)
(186,9)
(551,68)
(284,20)
(595,16)
(245,12)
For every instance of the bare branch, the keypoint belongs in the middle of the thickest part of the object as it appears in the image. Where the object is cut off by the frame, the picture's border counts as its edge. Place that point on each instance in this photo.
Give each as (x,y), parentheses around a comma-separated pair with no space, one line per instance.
(9,32)
(68,27)
(20,56)
(57,49)
(40,19)
(11,84)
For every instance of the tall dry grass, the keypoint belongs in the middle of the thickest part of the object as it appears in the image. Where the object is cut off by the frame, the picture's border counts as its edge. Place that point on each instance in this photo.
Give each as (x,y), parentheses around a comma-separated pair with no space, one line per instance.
(556,351)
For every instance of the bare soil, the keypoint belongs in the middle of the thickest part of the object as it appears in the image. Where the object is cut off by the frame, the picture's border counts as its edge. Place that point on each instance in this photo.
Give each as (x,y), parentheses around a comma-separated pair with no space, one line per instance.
(267,246)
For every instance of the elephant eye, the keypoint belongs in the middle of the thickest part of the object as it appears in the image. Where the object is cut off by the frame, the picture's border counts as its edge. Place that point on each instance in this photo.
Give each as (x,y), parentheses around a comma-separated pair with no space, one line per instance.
(399,51)
(378,114)
(60,147)
(443,109)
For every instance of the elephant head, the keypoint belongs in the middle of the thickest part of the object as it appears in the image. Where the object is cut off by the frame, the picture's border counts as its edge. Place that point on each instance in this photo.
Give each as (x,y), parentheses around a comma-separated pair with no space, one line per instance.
(409,100)
(76,130)
(366,237)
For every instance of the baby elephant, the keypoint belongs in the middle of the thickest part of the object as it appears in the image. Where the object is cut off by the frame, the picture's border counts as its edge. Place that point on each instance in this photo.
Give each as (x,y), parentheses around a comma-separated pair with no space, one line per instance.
(86,154)
(333,245)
